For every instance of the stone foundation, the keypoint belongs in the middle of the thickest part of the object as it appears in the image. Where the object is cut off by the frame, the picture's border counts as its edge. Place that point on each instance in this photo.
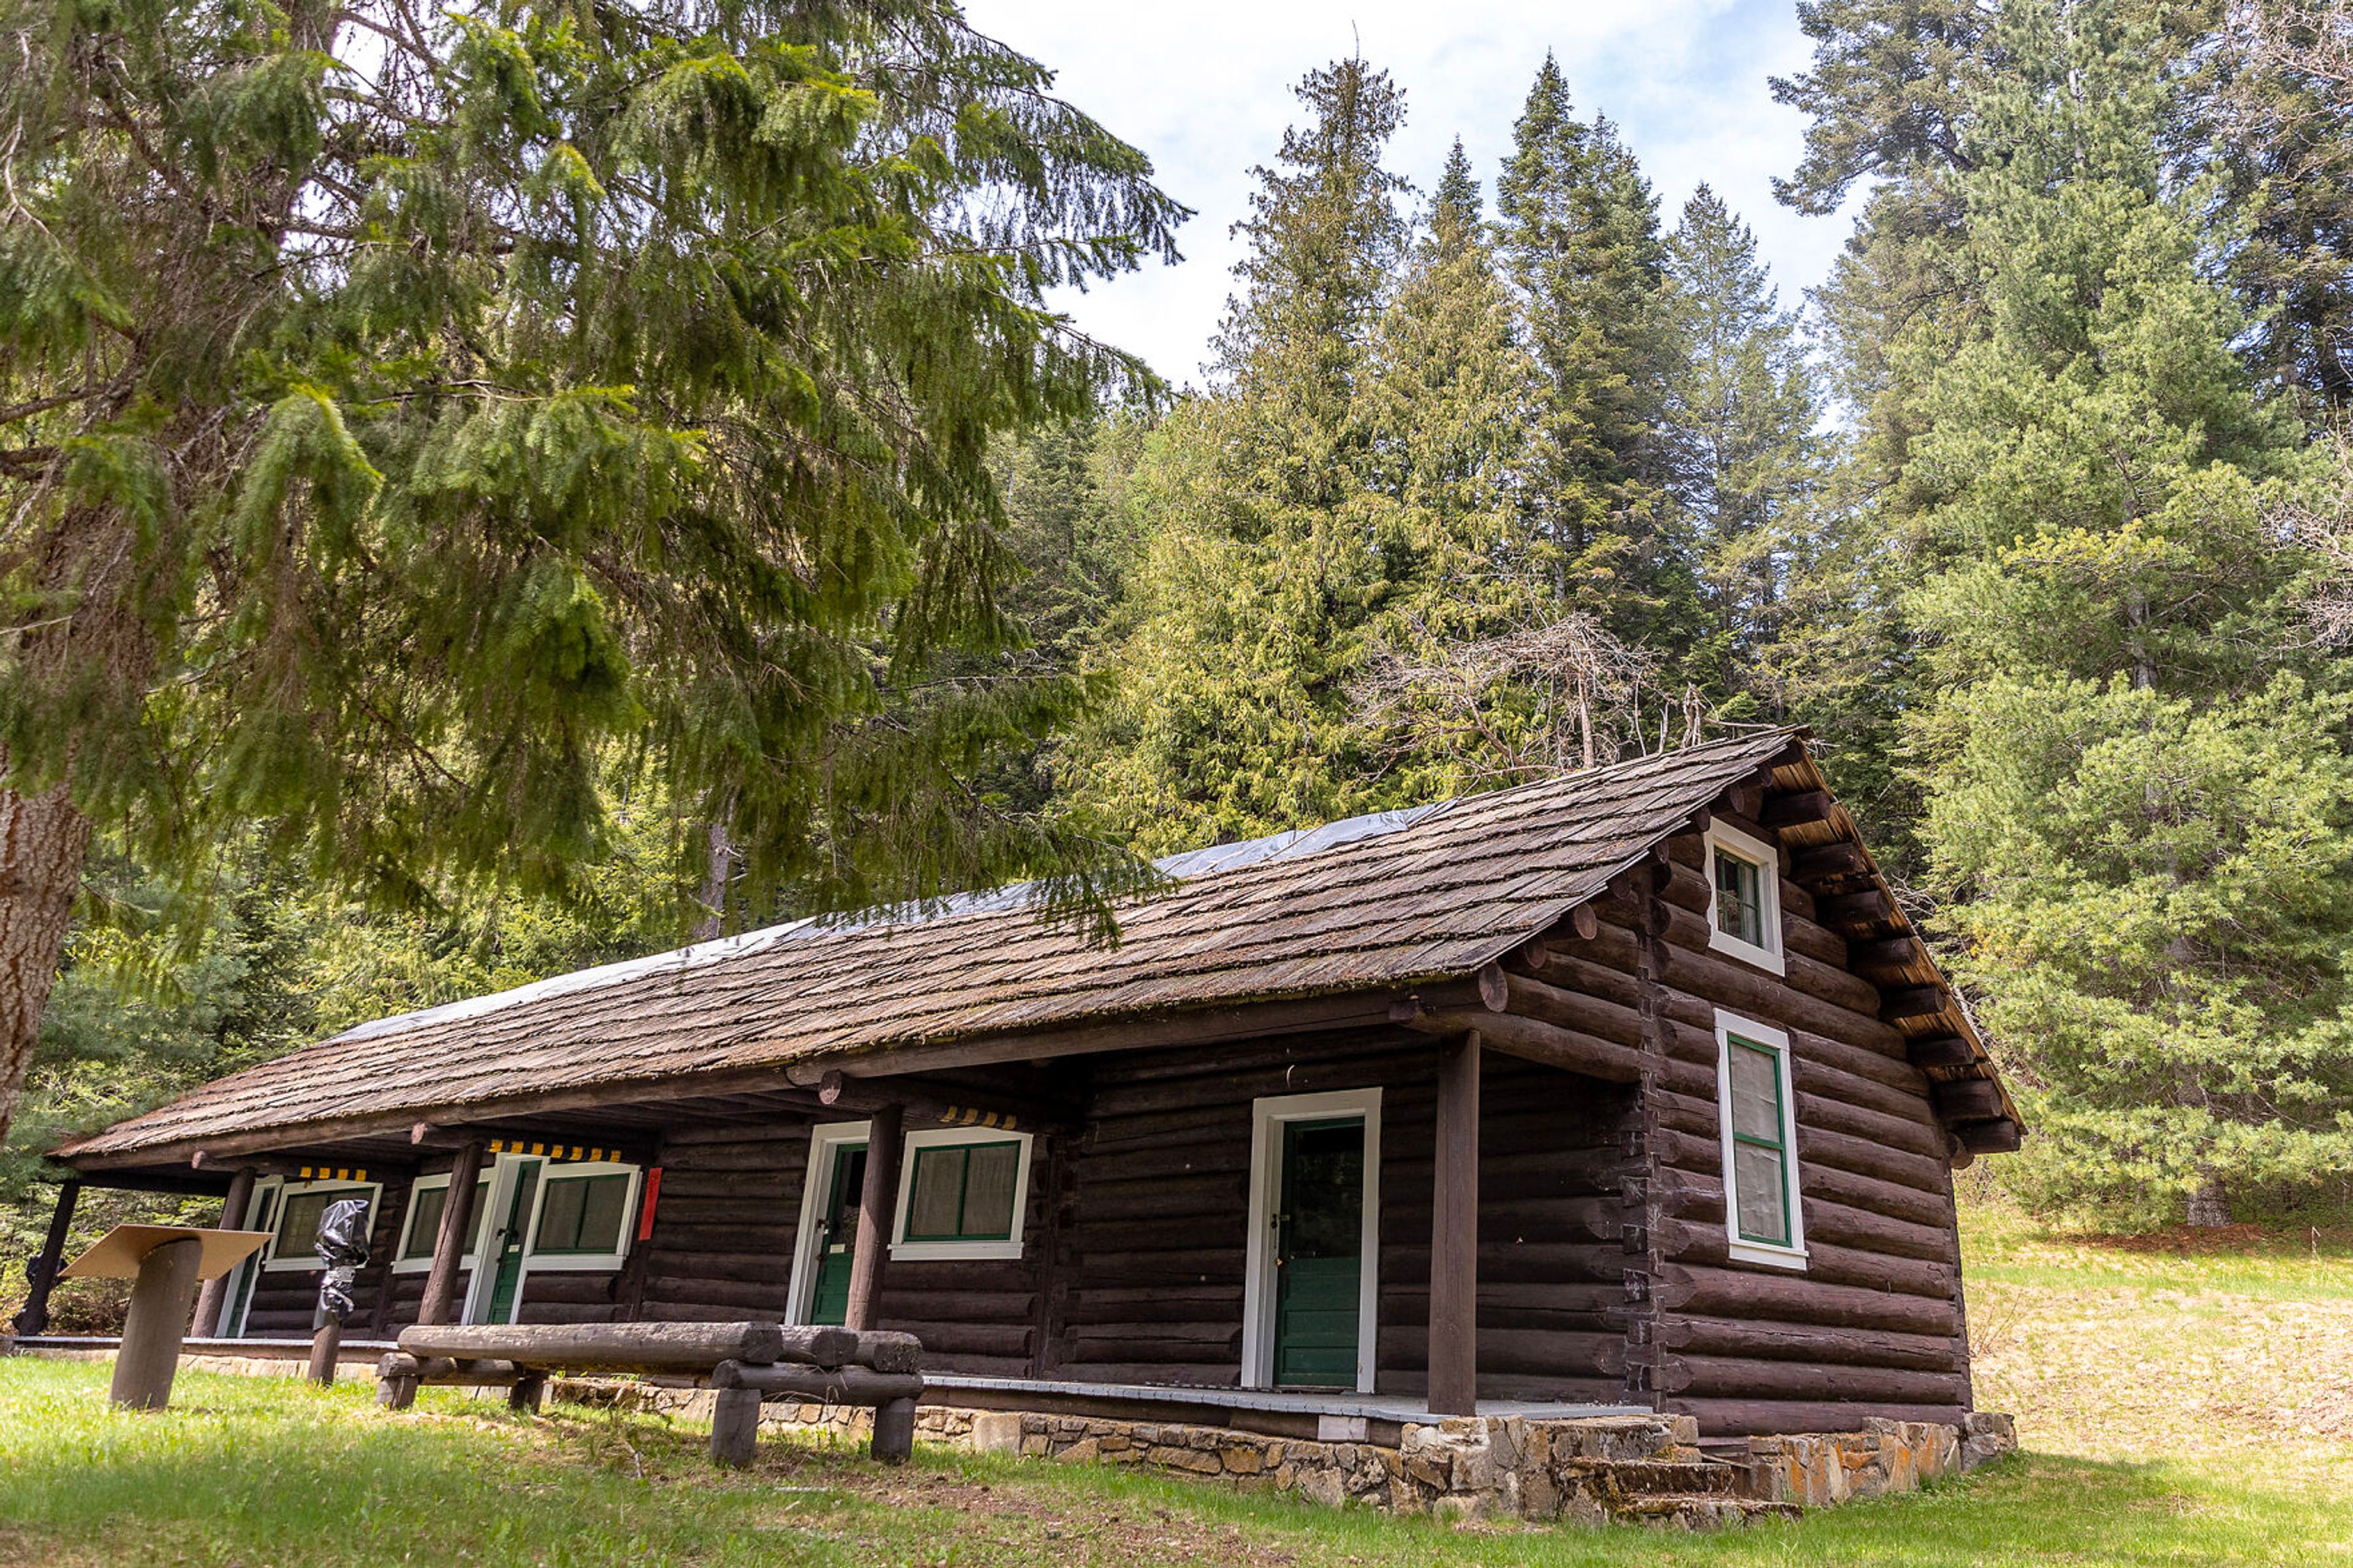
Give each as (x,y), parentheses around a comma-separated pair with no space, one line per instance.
(1626,1468)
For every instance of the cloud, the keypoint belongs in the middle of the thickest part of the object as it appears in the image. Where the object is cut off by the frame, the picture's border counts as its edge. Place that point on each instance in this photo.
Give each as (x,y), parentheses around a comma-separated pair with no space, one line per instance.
(1204,90)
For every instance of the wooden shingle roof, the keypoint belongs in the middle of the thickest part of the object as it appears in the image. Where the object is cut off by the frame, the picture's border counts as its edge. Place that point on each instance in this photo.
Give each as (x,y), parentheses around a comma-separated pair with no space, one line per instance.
(1407,899)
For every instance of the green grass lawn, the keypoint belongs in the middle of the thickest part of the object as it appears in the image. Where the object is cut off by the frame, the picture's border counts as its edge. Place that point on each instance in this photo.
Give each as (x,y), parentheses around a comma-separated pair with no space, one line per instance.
(2161,1430)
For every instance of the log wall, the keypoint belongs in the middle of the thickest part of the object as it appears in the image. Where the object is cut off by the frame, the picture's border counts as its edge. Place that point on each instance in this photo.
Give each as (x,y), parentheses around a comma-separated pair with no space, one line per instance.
(1148,1274)
(1873,1325)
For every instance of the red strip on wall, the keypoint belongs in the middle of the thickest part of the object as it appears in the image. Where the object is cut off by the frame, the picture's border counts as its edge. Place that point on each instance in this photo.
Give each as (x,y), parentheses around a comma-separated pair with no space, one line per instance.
(646,1209)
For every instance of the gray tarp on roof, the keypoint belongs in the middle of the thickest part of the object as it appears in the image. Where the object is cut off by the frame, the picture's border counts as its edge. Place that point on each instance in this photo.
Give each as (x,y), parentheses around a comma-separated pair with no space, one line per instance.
(1374,903)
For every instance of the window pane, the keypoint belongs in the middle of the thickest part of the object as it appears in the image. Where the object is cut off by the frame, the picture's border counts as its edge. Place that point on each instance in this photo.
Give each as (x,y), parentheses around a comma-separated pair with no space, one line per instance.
(1756,1093)
(559,1217)
(298,1223)
(988,1190)
(425,1210)
(1739,907)
(938,1198)
(1759,1174)
(600,1213)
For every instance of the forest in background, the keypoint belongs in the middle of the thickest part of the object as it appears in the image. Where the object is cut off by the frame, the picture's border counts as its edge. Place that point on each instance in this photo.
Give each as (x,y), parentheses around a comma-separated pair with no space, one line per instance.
(2034,512)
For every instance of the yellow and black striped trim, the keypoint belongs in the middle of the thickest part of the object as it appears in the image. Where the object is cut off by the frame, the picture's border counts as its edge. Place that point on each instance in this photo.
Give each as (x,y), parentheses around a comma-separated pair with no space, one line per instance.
(967,1115)
(566,1152)
(331,1173)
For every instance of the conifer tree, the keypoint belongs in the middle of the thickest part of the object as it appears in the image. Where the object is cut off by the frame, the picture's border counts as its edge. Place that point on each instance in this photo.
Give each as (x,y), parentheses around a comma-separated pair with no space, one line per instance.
(410,412)
(1248,609)
(2137,788)
(1578,230)
(1743,458)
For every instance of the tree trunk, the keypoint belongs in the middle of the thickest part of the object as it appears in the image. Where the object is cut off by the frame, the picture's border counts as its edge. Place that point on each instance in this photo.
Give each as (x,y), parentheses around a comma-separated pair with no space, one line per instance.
(2209,1205)
(43,839)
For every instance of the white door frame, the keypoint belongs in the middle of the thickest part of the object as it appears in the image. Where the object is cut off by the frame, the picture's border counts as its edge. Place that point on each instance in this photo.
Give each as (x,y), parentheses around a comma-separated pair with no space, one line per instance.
(505,1173)
(1267,1119)
(826,1140)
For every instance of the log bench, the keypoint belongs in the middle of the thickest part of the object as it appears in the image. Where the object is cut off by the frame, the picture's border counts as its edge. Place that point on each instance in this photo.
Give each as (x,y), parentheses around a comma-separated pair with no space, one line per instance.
(743,1362)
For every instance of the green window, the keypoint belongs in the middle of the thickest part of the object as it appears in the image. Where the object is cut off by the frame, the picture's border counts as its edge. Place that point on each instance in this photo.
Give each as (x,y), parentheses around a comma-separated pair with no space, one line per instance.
(964,1192)
(297,1222)
(1760,1152)
(582,1214)
(426,1207)
(1739,899)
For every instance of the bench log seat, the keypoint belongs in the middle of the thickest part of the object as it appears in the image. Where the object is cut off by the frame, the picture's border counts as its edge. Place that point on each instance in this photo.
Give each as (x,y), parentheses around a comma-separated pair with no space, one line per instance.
(744,1362)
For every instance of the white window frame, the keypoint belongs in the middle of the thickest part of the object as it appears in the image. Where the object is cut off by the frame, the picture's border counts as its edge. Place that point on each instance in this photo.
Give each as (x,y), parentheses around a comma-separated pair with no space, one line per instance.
(308,1262)
(1742,1249)
(825,1139)
(1768,861)
(264,1189)
(401,1265)
(537,1262)
(1267,1117)
(905,1251)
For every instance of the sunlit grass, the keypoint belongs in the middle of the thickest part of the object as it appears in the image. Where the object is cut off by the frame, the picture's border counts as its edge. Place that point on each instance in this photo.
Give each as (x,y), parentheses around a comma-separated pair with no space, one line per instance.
(2180,1408)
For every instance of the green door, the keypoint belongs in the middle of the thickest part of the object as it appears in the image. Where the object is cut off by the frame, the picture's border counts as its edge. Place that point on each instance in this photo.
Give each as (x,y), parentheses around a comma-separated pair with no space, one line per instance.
(837,1234)
(1319,1260)
(510,1239)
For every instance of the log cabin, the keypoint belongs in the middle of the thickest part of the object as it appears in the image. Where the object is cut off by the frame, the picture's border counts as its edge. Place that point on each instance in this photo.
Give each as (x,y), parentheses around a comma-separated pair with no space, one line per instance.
(1629,1090)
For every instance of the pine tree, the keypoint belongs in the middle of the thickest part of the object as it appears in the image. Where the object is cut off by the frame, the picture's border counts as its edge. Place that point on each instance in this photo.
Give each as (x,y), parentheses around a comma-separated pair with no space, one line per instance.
(2138,786)
(1578,235)
(1744,461)
(1247,611)
(412,415)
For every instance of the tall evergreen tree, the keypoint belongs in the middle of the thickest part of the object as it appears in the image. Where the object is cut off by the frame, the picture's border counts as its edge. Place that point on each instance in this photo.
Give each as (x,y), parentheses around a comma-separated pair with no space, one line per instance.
(2138,789)
(1743,457)
(1247,608)
(1578,230)
(410,410)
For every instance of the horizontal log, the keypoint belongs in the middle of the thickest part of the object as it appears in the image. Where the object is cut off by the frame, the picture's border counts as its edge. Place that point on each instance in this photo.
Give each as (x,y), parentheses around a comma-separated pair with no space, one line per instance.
(1834,985)
(1684,887)
(1914,1002)
(1812,1073)
(1789,810)
(1846,912)
(1706,1291)
(1611,1021)
(632,1347)
(1989,1137)
(1932,1210)
(1834,1115)
(1968,1099)
(841,1385)
(444,1371)
(1829,860)
(728,1299)
(1865,1157)
(1206,1373)
(1798,1341)
(1940,1051)
(1700,1201)
(1741,989)
(1818,942)
(1532,1039)
(1746,1378)
(942,1341)
(1698,1245)
(1572,971)
(1903,951)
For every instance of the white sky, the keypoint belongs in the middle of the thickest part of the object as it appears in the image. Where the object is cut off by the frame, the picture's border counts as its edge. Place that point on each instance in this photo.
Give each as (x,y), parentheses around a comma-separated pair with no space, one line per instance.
(1204,87)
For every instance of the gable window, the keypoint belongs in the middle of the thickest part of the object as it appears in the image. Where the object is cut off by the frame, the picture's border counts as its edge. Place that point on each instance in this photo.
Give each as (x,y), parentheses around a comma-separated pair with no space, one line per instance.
(1744,878)
(428,1201)
(296,1233)
(1756,1111)
(961,1194)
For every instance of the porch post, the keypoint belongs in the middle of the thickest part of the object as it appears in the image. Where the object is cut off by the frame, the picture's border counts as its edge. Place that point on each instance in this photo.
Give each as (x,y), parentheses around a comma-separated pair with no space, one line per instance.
(1455,1233)
(214,1293)
(450,1241)
(878,1205)
(41,1272)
